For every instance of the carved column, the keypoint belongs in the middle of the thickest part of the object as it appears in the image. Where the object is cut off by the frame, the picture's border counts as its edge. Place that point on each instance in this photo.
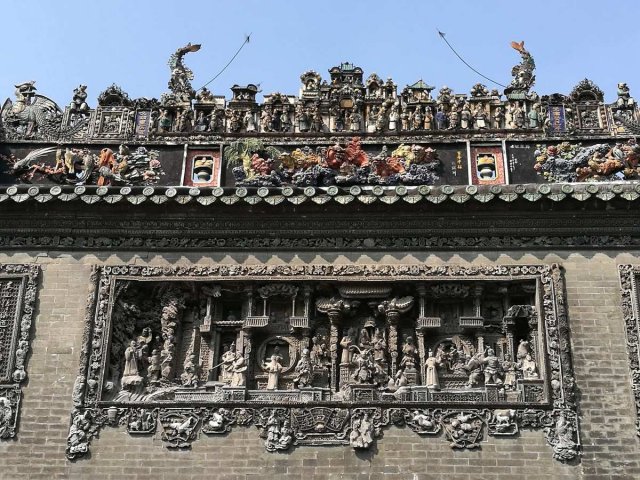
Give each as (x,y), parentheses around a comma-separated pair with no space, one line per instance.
(477,306)
(422,293)
(421,352)
(510,350)
(334,318)
(392,319)
(533,338)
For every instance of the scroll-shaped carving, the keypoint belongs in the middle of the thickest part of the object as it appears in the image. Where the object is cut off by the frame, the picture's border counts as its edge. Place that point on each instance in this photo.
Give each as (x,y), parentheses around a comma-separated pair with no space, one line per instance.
(229,340)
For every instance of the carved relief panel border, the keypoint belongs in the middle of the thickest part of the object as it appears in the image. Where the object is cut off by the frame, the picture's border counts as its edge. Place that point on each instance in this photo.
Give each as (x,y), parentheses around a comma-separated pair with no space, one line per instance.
(631,315)
(18,286)
(306,414)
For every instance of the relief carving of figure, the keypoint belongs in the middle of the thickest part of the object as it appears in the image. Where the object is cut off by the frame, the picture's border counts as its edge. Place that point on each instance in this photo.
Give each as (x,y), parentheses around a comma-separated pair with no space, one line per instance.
(154,368)
(319,354)
(189,377)
(510,377)
(131,374)
(362,431)
(474,368)
(303,371)
(226,367)
(491,368)
(348,337)
(529,367)
(239,372)
(273,368)
(365,366)
(6,418)
(431,371)
(409,353)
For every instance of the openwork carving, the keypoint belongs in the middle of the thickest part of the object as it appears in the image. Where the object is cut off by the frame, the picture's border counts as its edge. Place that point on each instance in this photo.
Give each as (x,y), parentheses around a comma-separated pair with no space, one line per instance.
(18,285)
(630,308)
(326,354)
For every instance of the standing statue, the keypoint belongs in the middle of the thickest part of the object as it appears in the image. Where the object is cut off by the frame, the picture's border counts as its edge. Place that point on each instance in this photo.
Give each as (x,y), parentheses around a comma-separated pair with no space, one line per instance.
(428,119)
(404,119)
(228,357)
(273,368)
(131,374)
(348,337)
(394,115)
(509,368)
(534,116)
(498,118)
(465,116)
(418,118)
(431,372)
(491,368)
(441,119)
(154,368)
(409,353)
(518,116)
(239,372)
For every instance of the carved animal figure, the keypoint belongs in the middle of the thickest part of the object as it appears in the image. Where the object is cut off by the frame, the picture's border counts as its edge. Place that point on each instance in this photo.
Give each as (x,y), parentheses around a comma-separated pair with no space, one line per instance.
(39,116)
(25,163)
(182,427)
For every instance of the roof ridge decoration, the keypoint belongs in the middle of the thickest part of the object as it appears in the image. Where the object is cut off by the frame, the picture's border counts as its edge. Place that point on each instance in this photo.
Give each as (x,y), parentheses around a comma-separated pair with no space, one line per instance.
(345,131)
(34,116)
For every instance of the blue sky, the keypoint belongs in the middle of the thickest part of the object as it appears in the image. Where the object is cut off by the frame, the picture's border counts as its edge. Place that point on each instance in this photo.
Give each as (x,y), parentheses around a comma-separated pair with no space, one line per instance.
(64,43)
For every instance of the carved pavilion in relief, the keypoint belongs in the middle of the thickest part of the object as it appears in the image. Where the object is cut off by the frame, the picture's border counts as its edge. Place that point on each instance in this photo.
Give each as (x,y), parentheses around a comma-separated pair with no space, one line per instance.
(318,354)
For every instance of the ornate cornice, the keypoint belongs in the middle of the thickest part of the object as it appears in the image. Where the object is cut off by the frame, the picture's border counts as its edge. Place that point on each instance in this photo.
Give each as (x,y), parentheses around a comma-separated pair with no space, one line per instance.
(402,194)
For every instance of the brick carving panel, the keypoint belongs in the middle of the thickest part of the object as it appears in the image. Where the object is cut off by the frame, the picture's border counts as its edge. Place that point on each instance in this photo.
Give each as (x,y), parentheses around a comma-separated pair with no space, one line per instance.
(326,354)
(630,308)
(18,284)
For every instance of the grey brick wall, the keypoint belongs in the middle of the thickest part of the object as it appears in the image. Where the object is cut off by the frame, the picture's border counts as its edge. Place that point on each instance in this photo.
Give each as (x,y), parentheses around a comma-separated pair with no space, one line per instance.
(611,447)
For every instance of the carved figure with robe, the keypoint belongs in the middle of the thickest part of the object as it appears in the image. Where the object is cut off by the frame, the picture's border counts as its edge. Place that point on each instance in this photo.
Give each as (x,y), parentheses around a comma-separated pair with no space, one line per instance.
(273,368)
(431,371)
(239,375)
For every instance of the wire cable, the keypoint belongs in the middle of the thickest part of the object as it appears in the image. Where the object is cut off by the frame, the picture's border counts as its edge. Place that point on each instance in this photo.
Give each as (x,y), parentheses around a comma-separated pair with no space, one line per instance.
(442,35)
(246,40)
